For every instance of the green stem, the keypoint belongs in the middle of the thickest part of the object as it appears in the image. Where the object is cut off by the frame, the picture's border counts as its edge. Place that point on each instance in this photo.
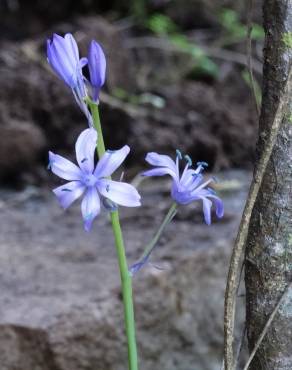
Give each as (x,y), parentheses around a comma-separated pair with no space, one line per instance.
(126,279)
(167,219)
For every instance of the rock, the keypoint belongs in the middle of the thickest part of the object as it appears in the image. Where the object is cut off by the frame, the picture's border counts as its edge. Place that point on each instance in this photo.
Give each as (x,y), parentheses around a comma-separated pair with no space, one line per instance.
(60,302)
(21,144)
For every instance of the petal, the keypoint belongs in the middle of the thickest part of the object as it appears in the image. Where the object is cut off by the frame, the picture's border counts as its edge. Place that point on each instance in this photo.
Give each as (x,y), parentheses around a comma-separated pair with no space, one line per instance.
(62,60)
(63,168)
(85,148)
(207,204)
(83,62)
(159,172)
(90,207)
(96,64)
(110,161)
(63,48)
(69,192)
(218,204)
(119,192)
(72,47)
(57,65)
(160,160)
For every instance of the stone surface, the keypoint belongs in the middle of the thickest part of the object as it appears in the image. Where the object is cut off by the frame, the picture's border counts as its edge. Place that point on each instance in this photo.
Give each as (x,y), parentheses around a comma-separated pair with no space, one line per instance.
(60,301)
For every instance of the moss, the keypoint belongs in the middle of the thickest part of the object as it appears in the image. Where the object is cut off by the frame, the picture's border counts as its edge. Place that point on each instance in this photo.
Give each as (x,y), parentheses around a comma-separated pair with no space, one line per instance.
(287,39)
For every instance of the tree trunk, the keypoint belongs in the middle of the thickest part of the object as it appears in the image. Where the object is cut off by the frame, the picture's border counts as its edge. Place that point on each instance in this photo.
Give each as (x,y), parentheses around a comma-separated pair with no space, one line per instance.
(268,260)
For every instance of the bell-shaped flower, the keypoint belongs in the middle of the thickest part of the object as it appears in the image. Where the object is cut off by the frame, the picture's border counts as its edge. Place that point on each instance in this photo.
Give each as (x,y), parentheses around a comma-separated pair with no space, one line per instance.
(188,186)
(92,181)
(63,56)
(97,68)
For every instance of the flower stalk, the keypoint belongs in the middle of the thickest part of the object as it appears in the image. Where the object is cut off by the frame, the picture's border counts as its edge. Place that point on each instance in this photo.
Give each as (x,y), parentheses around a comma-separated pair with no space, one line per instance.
(126,279)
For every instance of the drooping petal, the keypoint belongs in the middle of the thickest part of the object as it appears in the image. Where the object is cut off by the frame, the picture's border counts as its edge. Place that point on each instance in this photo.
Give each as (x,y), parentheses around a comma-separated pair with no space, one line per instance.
(69,192)
(85,148)
(90,207)
(161,160)
(110,161)
(97,67)
(119,192)
(63,168)
(218,204)
(161,171)
(207,204)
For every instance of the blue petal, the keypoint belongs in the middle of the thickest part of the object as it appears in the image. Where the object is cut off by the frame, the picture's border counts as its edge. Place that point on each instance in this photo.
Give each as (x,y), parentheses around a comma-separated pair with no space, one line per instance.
(63,168)
(96,66)
(61,56)
(161,160)
(69,192)
(159,172)
(138,265)
(219,205)
(85,148)
(90,207)
(110,161)
(119,192)
(207,204)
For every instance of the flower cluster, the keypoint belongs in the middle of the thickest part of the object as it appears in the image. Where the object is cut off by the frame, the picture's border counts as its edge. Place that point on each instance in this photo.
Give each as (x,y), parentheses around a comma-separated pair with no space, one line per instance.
(63,56)
(188,186)
(92,181)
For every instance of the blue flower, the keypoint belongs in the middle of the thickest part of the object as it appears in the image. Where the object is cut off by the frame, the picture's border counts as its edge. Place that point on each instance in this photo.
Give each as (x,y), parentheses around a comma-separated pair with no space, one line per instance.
(63,56)
(188,186)
(97,68)
(92,181)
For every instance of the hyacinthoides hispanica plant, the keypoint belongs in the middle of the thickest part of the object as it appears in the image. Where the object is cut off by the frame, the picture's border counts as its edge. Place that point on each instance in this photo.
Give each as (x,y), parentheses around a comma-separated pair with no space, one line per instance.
(94,181)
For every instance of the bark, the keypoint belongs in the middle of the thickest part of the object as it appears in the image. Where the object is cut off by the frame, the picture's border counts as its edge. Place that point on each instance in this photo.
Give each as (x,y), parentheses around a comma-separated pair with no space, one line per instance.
(269,244)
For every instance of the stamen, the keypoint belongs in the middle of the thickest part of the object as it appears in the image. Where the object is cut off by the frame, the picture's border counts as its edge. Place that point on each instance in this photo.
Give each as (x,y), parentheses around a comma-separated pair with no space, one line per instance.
(212,191)
(122,176)
(66,189)
(203,164)
(84,160)
(189,160)
(178,154)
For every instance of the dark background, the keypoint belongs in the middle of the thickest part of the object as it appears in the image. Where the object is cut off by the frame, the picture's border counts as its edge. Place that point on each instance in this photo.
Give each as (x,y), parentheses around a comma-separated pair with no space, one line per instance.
(176,79)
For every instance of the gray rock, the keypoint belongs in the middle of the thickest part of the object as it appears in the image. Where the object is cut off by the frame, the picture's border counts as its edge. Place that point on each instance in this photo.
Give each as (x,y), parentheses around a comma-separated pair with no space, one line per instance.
(60,301)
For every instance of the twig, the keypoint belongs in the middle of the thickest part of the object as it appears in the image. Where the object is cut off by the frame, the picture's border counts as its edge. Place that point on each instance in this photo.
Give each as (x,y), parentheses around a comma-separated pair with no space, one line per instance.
(232,279)
(266,327)
(240,345)
(249,57)
(165,44)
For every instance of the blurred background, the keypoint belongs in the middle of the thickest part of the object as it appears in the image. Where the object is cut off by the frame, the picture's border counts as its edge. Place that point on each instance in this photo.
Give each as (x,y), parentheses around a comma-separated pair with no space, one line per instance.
(176,79)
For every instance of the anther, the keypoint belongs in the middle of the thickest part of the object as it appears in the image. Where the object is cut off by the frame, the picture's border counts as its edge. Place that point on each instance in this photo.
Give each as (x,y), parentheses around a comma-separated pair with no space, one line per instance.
(188,159)
(66,189)
(84,160)
(178,154)
(203,164)
(107,188)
